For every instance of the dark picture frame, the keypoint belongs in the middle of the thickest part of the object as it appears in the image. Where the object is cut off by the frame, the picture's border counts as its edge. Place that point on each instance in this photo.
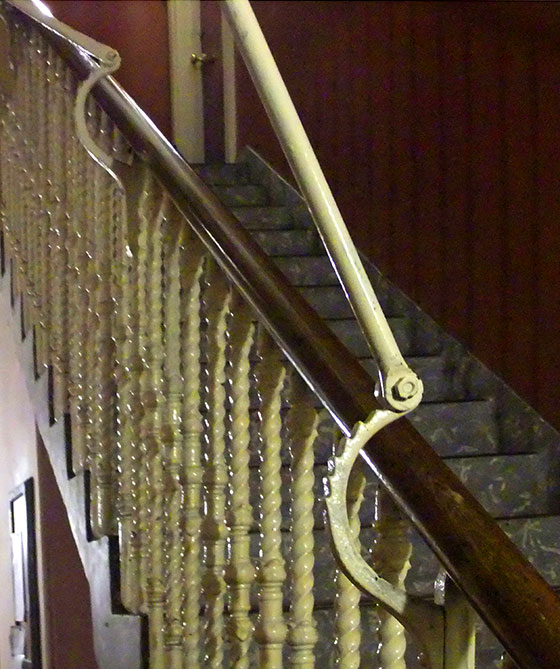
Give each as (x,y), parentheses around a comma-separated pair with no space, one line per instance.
(26,629)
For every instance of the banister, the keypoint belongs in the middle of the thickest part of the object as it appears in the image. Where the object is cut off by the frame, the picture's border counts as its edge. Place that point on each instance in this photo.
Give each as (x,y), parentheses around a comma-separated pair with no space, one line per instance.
(503,587)
(400,388)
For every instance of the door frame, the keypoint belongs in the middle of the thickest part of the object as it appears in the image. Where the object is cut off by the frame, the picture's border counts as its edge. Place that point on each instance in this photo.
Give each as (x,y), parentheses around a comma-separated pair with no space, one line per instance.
(192,93)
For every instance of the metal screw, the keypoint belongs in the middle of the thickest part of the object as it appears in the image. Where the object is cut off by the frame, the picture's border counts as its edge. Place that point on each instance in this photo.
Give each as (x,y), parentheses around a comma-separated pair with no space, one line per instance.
(405,388)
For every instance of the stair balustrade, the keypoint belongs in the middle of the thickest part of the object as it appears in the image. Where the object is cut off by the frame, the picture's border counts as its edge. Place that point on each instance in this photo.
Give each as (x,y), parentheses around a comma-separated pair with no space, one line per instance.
(196,383)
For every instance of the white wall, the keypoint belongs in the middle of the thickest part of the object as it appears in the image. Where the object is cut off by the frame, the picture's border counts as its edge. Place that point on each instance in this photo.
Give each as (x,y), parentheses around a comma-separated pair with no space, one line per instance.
(18,462)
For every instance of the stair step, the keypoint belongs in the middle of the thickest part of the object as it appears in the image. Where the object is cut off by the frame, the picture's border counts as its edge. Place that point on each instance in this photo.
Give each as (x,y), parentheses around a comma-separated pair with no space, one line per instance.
(410,343)
(458,428)
(243,195)
(308,271)
(537,538)
(288,242)
(223,175)
(349,332)
(331,301)
(507,486)
(263,218)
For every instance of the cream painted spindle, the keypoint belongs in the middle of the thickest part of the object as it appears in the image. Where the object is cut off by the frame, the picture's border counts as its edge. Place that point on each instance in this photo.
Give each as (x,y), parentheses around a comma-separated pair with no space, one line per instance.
(150,428)
(302,423)
(191,266)
(271,627)
(391,555)
(28,218)
(240,573)
(57,231)
(23,179)
(216,300)
(7,165)
(79,294)
(146,213)
(347,604)
(128,366)
(173,440)
(106,220)
(34,205)
(41,331)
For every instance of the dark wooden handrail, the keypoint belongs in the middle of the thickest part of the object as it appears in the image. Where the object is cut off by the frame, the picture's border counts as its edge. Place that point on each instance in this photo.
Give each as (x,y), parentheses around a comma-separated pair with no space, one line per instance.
(503,587)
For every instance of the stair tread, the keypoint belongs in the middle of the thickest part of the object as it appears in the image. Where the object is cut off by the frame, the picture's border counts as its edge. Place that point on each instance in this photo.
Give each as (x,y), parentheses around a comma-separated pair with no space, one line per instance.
(331,301)
(263,218)
(537,538)
(241,195)
(350,333)
(506,485)
(458,428)
(291,241)
(222,174)
(309,271)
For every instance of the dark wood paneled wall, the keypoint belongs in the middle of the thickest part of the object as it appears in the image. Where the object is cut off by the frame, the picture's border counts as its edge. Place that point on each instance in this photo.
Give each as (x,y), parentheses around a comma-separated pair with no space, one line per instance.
(66,589)
(438,126)
(138,30)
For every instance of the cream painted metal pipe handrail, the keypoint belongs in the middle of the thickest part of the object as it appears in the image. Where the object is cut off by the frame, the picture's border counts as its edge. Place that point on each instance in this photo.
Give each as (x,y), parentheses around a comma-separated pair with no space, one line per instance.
(400,387)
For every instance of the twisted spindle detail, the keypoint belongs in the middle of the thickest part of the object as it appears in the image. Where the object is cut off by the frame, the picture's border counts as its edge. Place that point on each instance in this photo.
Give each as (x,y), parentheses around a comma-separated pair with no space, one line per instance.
(191,261)
(271,627)
(391,555)
(348,618)
(302,424)
(216,299)
(240,573)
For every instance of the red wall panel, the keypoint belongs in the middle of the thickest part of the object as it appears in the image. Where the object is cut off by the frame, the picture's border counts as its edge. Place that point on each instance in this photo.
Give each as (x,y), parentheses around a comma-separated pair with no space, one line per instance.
(437,127)
(66,589)
(138,30)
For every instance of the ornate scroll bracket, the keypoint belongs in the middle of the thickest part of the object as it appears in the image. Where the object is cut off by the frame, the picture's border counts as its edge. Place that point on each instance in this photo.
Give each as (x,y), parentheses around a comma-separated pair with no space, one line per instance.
(109,62)
(423,618)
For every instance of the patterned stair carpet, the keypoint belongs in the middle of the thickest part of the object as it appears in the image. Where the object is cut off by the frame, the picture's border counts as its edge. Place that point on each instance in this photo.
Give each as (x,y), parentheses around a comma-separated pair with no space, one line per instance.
(498,446)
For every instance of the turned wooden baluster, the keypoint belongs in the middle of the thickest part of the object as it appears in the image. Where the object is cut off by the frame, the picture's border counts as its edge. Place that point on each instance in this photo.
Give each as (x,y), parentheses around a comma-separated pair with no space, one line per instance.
(41,92)
(391,555)
(67,85)
(152,387)
(271,627)
(27,194)
(37,189)
(23,214)
(9,157)
(17,151)
(81,177)
(7,163)
(302,423)
(57,232)
(11,194)
(128,367)
(88,447)
(216,300)
(347,603)
(6,168)
(107,217)
(173,439)
(240,573)
(192,262)
(146,212)
(17,220)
